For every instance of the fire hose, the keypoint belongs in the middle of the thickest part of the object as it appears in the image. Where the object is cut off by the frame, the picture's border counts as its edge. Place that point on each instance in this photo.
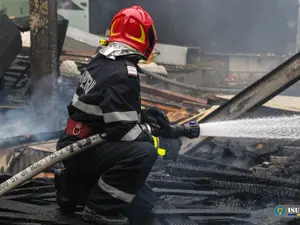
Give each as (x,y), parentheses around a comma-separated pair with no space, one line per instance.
(190,130)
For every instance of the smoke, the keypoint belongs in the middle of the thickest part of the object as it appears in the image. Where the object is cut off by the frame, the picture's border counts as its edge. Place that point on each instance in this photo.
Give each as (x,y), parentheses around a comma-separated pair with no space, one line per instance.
(44,111)
(232,26)
(228,26)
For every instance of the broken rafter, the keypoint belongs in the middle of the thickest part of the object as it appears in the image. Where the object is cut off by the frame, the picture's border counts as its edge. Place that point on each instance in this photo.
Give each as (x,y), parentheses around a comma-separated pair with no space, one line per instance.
(188,86)
(175,113)
(171,95)
(30,138)
(203,212)
(164,106)
(257,94)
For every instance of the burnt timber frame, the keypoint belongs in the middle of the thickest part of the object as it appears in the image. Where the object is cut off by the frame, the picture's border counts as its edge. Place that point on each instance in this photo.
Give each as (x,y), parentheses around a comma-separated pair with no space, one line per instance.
(43,30)
(257,94)
(44,60)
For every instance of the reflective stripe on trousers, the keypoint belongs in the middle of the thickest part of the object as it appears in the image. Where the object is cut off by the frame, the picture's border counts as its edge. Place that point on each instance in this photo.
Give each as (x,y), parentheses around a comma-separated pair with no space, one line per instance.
(114,192)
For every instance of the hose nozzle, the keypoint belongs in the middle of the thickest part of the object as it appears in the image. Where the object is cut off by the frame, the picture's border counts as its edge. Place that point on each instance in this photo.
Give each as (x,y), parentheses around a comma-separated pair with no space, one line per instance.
(191,130)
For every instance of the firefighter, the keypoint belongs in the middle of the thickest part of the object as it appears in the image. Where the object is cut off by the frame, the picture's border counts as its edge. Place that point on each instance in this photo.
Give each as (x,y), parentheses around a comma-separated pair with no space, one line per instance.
(108,101)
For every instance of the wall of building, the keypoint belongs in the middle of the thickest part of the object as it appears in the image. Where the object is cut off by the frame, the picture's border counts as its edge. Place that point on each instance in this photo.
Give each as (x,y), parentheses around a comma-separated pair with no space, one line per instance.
(171,54)
(15,8)
(251,68)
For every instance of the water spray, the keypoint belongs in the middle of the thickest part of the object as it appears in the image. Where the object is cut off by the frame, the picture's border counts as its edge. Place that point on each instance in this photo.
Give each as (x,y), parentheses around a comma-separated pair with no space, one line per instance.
(277,128)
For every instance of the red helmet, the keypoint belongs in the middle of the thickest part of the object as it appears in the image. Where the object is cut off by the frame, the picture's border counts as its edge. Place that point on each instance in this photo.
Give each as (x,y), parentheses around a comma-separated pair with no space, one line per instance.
(134,26)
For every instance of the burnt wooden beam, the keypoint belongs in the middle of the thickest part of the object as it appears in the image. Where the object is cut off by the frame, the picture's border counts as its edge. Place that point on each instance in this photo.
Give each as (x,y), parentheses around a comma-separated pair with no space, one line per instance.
(202,212)
(254,96)
(26,139)
(44,59)
(18,211)
(182,192)
(43,29)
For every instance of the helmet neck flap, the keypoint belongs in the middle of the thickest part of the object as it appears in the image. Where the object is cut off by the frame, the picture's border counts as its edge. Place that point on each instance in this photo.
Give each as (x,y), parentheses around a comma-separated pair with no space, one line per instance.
(117,49)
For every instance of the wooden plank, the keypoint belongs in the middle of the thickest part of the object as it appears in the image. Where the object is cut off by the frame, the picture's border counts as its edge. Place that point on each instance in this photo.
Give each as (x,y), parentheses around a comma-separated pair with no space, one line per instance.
(207,112)
(279,102)
(195,117)
(46,147)
(164,106)
(170,94)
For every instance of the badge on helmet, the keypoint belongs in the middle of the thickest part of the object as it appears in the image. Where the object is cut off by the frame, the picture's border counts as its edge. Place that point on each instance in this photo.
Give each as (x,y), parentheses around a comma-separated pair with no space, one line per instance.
(134,26)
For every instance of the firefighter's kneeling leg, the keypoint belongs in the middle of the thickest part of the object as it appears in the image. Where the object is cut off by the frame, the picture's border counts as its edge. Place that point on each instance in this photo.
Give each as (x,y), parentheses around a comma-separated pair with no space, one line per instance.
(64,196)
(118,186)
(139,210)
(72,188)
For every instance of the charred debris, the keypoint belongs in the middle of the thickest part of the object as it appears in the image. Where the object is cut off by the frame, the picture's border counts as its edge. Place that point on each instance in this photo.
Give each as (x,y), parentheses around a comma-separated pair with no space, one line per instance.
(215,181)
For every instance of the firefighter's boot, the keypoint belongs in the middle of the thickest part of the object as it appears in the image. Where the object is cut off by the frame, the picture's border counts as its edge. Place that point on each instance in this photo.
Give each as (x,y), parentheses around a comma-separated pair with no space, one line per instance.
(92,216)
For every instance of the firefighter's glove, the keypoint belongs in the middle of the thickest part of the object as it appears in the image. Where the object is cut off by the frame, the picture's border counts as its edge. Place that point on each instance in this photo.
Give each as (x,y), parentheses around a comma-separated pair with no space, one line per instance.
(155,117)
(167,148)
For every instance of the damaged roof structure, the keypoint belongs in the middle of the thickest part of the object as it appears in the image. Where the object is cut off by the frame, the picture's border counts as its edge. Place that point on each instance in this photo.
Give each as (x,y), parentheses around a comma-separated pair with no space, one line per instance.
(214,181)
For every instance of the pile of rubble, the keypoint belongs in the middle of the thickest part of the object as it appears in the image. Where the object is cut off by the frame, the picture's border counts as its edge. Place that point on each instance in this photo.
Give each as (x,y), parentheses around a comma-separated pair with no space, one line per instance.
(208,189)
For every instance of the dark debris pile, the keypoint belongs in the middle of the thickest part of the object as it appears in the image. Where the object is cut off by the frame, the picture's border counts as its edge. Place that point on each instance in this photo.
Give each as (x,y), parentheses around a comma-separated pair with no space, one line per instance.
(191,191)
